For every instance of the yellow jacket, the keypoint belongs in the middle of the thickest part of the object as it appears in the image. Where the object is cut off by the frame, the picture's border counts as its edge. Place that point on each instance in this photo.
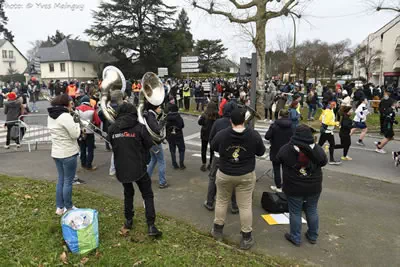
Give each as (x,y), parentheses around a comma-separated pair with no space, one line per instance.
(328,118)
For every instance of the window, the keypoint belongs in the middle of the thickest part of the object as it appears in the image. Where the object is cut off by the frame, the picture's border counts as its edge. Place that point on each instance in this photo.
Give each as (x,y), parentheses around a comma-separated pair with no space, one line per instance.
(51,65)
(11,54)
(4,53)
(62,67)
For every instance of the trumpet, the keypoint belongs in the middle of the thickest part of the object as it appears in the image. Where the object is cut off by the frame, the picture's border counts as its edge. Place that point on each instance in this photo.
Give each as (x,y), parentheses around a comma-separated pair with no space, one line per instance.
(85,125)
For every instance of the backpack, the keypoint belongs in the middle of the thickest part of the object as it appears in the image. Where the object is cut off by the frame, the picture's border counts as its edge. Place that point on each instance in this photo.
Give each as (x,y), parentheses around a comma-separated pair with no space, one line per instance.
(274,202)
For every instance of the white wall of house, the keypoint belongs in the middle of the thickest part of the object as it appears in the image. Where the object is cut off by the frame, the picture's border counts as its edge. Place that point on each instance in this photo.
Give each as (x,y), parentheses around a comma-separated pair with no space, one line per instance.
(384,40)
(17,62)
(73,70)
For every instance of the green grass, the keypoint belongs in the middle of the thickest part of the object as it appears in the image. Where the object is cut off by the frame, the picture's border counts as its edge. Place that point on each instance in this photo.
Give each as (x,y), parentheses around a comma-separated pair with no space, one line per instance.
(31,234)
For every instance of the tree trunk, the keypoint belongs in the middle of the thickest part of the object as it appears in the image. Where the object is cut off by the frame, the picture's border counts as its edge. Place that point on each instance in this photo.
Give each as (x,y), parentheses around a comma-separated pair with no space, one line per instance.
(259,43)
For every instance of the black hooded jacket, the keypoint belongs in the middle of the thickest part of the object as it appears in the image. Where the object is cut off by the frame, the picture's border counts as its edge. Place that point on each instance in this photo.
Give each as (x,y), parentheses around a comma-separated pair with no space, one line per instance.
(174,124)
(56,111)
(224,122)
(302,180)
(279,134)
(131,144)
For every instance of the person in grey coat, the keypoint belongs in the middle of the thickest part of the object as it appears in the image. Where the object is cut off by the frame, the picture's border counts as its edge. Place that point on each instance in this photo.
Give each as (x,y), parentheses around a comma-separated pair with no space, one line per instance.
(280,100)
(269,97)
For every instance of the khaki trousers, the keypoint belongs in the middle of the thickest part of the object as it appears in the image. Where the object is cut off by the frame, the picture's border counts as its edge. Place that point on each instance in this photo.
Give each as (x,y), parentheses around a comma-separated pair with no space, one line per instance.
(244,186)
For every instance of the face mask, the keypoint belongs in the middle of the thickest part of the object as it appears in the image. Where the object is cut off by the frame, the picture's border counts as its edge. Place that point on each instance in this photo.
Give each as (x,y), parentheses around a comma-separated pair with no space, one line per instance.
(386,97)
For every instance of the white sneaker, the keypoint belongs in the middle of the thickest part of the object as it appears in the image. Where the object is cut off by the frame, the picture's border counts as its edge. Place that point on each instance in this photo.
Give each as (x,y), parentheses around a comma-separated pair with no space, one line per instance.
(7,147)
(60,211)
(360,143)
(380,151)
(276,189)
(18,145)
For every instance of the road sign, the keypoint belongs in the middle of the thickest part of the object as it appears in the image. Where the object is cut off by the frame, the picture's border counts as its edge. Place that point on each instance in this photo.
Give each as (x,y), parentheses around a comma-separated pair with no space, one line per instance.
(189,59)
(190,70)
(207,86)
(162,72)
(190,65)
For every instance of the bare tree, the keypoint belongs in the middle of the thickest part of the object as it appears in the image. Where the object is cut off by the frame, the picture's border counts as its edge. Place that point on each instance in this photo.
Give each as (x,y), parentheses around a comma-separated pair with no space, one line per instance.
(368,59)
(339,54)
(284,42)
(258,12)
(389,5)
(34,51)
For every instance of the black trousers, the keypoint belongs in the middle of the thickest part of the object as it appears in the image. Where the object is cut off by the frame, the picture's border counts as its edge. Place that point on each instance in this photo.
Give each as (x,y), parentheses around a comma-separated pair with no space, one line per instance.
(87,150)
(8,138)
(331,140)
(212,187)
(382,122)
(277,174)
(144,185)
(276,115)
(345,141)
(204,144)
(180,144)
(268,111)
(186,101)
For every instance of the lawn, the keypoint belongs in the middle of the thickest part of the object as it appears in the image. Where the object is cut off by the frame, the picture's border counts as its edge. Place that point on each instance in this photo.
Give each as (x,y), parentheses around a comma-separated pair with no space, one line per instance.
(31,234)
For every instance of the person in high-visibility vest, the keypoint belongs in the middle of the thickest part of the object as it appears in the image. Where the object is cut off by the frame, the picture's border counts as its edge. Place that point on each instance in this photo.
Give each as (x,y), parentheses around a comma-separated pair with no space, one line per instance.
(136,91)
(71,90)
(186,96)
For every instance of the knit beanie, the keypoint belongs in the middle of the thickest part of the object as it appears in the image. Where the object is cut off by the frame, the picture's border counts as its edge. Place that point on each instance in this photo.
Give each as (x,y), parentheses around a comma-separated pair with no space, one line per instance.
(303,135)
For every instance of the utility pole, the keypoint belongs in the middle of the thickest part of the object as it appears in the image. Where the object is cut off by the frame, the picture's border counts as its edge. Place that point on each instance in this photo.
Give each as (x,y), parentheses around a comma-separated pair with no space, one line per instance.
(253,94)
(294,47)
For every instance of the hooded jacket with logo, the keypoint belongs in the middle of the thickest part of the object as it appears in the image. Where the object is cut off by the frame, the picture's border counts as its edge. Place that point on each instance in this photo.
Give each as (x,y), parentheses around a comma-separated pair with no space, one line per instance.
(131,144)
(237,150)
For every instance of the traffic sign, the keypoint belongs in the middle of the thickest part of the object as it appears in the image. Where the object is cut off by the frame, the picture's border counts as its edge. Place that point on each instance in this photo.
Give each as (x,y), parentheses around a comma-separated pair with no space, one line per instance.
(189,59)
(190,65)
(190,70)
(162,72)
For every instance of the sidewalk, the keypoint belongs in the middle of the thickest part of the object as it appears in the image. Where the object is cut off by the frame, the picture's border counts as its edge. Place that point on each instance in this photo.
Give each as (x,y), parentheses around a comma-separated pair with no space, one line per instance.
(359,217)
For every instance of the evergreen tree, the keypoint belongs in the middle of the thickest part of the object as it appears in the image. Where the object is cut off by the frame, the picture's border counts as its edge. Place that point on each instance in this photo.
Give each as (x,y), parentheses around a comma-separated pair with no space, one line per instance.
(210,52)
(3,22)
(131,29)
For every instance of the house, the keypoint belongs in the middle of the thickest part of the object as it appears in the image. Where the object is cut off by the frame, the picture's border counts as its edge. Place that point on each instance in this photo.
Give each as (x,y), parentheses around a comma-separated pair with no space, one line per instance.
(70,60)
(384,66)
(12,61)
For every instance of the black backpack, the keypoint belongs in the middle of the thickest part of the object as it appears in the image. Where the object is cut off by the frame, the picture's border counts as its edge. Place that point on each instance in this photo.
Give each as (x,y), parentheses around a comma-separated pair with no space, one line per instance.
(274,202)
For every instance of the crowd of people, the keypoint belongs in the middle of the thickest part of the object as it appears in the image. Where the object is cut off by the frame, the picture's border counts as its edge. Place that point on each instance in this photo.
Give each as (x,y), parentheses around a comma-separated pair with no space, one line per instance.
(233,146)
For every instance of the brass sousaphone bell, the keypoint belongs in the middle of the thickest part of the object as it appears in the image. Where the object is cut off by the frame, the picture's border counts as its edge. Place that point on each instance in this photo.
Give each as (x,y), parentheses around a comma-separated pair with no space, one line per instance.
(112,88)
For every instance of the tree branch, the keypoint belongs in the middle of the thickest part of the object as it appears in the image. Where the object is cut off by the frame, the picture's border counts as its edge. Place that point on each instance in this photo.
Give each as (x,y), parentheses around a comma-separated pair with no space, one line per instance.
(225,14)
(388,8)
(284,11)
(243,6)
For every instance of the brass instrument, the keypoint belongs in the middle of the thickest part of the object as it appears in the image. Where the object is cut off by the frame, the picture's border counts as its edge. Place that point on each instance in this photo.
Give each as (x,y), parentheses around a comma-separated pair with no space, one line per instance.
(153,92)
(85,125)
(113,80)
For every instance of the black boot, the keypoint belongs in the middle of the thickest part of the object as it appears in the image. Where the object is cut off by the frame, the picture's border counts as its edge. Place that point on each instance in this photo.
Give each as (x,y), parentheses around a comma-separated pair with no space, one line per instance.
(128,224)
(247,241)
(203,168)
(217,232)
(153,231)
(182,166)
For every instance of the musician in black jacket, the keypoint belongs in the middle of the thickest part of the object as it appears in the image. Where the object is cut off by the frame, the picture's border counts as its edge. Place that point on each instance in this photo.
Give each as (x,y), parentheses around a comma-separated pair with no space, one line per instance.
(131,143)
(175,138)
(156,151)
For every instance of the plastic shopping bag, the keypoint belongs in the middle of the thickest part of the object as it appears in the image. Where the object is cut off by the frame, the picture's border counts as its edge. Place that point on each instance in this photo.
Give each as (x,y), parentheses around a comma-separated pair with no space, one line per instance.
(80,230)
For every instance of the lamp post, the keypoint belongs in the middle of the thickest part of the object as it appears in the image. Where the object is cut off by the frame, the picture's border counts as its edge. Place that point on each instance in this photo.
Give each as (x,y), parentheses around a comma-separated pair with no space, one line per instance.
(294,46)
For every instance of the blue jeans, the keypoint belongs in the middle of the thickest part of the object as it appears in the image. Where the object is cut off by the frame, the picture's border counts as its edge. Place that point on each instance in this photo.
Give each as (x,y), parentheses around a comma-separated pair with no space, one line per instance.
(312,109)
(66,169)
(295,210)
(157,156)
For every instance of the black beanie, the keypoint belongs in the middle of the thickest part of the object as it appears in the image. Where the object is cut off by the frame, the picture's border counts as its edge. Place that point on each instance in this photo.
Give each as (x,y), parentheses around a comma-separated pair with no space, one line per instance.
(238,116)
(303,135)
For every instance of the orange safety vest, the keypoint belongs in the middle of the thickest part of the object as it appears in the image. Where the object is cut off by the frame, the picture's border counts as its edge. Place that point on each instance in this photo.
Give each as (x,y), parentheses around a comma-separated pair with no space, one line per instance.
(93,103)
(135,88)
(71,90)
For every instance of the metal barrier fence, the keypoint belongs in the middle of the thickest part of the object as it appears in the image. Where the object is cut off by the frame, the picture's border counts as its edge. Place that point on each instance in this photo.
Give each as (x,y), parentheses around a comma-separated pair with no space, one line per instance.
(34,130)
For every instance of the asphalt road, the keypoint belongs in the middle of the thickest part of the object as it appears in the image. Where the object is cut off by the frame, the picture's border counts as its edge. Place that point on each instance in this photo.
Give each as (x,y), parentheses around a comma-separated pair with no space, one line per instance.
(366,162)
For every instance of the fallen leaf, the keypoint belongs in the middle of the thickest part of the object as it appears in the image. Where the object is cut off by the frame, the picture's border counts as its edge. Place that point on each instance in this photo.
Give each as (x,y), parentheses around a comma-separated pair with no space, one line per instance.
(35,211)
(63,258)
(138,263)
(27,197)
(16,194)
(84,260)
(175,246)
(124,232)
(117,245)
(41,265)
(98,254)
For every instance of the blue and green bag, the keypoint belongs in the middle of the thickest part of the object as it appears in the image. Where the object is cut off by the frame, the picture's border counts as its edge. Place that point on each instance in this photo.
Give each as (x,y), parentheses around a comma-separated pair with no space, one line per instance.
(80,230)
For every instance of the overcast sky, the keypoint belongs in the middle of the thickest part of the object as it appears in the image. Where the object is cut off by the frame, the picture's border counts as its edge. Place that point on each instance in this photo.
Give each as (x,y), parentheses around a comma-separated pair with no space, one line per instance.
(327,20)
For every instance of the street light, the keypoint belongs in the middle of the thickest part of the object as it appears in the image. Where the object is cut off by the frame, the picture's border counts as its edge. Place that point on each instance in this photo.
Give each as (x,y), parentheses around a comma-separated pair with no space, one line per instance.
(294,46)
